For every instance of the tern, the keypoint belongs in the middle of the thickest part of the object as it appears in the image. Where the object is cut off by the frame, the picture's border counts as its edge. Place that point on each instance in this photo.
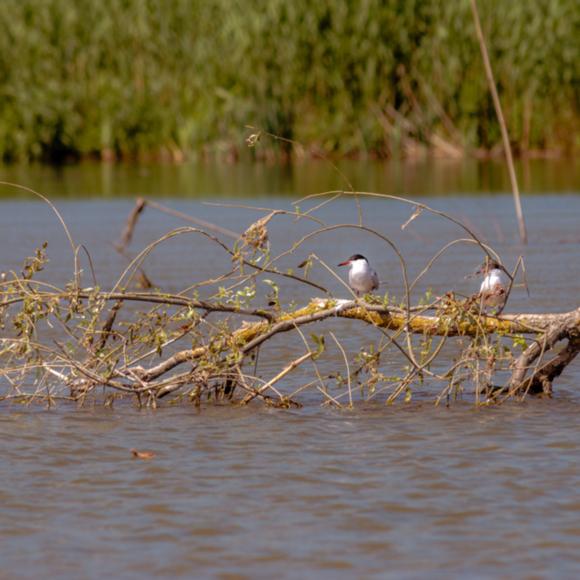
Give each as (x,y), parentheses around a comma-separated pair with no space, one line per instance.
(493,289)
(361,277)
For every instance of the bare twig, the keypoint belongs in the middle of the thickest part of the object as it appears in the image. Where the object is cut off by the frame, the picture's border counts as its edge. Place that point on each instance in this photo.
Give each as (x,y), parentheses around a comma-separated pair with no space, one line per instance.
(288,369)
(502,124)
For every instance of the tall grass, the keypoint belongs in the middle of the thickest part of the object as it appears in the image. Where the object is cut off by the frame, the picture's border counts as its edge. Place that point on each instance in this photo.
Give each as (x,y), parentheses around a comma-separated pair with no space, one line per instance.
(137,77)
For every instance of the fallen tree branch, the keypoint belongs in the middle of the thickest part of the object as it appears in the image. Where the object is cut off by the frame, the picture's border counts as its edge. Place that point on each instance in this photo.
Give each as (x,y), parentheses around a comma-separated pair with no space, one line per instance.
(250,336)
(136,351)
(542,380)
(149,297)
(542,377)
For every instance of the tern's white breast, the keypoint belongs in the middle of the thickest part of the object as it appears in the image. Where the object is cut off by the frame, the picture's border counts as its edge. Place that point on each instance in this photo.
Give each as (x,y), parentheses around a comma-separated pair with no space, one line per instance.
(361,276)
(492,281)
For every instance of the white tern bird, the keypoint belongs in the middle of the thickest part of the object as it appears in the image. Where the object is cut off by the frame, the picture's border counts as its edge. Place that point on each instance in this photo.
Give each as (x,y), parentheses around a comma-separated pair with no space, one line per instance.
(493,289)
(361,277)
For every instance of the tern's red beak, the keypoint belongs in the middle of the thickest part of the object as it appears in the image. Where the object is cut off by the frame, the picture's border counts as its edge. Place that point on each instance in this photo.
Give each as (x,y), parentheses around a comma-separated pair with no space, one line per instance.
(345,263)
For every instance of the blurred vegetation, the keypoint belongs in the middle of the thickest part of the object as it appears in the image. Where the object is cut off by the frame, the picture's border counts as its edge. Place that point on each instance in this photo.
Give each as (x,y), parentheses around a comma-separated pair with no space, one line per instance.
(350,77)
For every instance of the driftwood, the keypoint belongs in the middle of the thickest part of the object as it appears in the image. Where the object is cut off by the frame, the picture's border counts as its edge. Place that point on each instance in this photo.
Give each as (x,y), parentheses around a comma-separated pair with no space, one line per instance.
(161,379)
(549,329)
(76,341)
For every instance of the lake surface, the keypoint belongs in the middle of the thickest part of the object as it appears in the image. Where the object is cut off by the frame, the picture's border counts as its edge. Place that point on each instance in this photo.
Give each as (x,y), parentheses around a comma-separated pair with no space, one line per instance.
(421,177)
(404,491)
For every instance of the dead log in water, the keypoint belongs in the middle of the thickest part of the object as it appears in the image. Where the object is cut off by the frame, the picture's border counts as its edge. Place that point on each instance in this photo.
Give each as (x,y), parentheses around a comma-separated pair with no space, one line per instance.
(72,341)
(216,363)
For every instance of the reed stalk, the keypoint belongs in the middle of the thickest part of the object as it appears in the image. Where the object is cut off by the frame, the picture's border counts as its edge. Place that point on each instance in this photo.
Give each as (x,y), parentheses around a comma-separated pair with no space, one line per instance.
(504,131)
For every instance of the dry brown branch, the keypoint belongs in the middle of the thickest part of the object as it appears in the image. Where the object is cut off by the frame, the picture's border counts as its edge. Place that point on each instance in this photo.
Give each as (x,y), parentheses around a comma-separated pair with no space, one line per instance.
(568,327)
(141,204)
(152,345)
(127,234)
(251,336)
(504,132)
(543,378)
(287,370)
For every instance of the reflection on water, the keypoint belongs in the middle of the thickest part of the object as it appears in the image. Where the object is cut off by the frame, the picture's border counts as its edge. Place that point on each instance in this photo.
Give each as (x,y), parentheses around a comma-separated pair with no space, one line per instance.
(406,491)
(193,180)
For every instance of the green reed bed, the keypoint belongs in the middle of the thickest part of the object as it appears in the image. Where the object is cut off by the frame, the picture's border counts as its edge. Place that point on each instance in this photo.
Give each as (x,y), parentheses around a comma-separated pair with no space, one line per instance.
(142,77)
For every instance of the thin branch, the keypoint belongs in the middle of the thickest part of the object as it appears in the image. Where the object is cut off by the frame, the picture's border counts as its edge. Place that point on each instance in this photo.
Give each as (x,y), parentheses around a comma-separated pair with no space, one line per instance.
(502,124)
(278,377)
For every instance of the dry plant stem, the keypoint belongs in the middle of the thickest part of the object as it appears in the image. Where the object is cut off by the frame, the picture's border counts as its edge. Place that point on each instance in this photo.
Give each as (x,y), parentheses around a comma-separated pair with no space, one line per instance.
(334,275)
(138,260)
(330,399)
(303,388)
(345,358)
(370,194)
(170,363)
(288,369)
(313,360)
(60,219)
(127,234)
(402,386)
(326,158)
(443,250)
(502,123)
(152,298)
(108,326)
(371,231)
(89,374)
(418,368)
(197,221)
(90,259)
(269,211)
(531,354)
(173,384)
(140,206)
(322,204)
(245,380)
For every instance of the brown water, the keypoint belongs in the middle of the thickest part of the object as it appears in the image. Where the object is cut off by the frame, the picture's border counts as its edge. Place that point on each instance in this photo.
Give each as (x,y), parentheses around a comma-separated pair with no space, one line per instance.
(375,492)
(406,491)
